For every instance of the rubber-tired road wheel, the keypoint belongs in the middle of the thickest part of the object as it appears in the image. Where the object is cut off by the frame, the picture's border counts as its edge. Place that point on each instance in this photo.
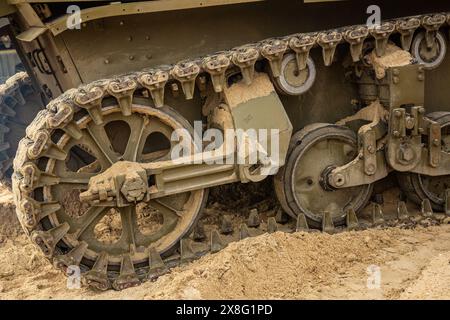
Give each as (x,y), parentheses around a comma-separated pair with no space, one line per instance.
(418,187)
(300,185)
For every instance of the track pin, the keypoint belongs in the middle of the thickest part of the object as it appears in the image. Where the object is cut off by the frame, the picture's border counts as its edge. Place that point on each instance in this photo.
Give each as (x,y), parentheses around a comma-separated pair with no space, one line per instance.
(327,223)
(245,58)
(329,42)
(97,278)
(243,231)
(302,224)
(281,216)
(377,215)
(381,34)
(402,211)
(199,232)
(156,265)
(253,220)
(187,254)
(426,210)
(47,240)
(272,225)
(72,258)
(216,242)
(226,226)
(127,277)
(351,219)
(186,73)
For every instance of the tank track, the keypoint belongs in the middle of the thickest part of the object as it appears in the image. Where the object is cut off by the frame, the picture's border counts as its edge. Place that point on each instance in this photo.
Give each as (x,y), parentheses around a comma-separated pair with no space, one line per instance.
(64,112)
(14,95)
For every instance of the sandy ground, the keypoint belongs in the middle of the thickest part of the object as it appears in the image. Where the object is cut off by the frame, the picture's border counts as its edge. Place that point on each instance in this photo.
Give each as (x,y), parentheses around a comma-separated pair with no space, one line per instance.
(372,264)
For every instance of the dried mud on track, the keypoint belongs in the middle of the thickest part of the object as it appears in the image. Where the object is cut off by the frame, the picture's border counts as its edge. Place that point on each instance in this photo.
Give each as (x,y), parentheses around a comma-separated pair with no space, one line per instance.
(414,265)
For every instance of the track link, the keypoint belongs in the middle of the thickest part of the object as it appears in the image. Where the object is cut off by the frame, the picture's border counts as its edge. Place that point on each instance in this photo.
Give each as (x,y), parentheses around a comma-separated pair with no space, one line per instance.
(67,113)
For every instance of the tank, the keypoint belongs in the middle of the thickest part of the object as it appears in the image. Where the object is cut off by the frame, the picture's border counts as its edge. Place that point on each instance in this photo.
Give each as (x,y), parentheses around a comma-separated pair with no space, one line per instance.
(129,113)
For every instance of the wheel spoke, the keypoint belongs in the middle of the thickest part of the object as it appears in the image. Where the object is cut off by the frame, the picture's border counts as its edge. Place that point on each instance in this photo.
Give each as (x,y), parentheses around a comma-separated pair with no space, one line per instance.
(89,220)
(137,126)
(165,209)
(103,143)
(129,225)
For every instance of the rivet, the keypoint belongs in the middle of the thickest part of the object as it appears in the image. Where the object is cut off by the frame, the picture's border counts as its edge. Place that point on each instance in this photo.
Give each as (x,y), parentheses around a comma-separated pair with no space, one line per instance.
(106,61)
(131,57)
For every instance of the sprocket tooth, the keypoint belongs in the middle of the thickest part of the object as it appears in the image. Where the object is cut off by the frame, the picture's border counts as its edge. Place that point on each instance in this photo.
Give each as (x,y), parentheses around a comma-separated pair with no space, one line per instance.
(34,178)
(91,100)
(43,146)
(253,220)
(216,242)
(407,28)
(62,118)
(127,277)
(243,231)
(327,223)
(447,202)
(186,253)
(402,211)
(329,42)
(155,82)
(426,209)
(355,37)
(47,240)
(199,232)
(123,90)
(351,220)
(32,211)
(381,34)
(216,66)
(186,73)
(272,225)
(72,258)
(302,45)
(302,224)
(245,58)
(156,265)
(281,217)
(97,278)
(273,51)
(226,226)
(377,215)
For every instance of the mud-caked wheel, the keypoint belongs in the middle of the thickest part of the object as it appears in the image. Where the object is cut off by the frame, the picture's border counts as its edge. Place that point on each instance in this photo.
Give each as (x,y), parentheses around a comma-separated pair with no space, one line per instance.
(417,187)
(301,185)
(111,245)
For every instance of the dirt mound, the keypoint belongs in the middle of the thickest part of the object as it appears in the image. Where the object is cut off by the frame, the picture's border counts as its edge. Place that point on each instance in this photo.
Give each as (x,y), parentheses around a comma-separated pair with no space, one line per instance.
(412,264)
(9,225)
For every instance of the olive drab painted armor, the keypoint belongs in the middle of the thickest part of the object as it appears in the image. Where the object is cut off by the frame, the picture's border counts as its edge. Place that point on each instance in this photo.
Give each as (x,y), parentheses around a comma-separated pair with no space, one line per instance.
(352,98)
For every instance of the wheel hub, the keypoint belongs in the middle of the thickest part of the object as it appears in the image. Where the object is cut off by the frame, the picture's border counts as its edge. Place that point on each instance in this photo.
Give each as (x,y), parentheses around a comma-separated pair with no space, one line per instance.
(122,184)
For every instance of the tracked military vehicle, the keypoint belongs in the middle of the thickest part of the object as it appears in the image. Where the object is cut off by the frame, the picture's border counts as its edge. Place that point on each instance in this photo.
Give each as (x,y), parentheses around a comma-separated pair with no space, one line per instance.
(352,102)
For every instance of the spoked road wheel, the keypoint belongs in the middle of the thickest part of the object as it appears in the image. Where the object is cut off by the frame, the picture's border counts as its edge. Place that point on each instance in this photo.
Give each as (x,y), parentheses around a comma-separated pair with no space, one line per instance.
(111,245)
(301,184)
(19,104)
(418,187)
